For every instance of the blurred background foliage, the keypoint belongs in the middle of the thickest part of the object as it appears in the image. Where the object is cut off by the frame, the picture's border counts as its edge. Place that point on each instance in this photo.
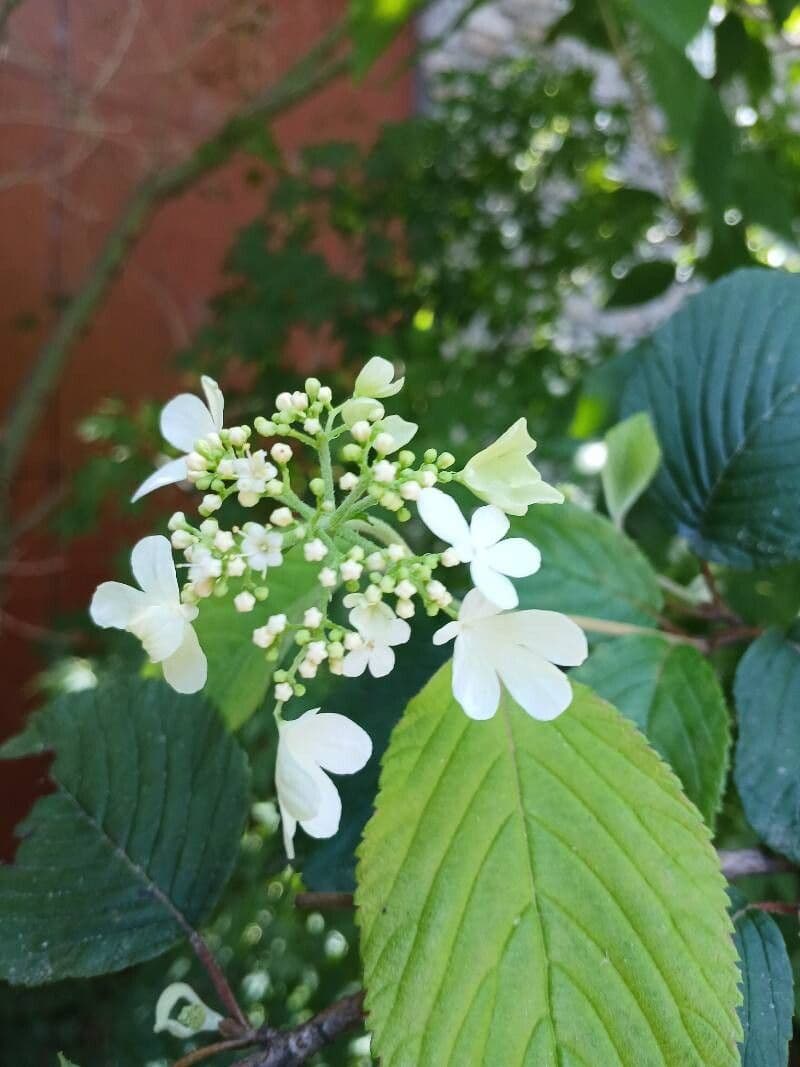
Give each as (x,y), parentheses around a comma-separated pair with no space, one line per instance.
(507,246)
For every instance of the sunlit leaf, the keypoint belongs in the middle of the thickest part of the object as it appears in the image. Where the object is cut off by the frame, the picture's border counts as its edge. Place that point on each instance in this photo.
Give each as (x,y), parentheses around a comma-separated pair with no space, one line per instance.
(631,463)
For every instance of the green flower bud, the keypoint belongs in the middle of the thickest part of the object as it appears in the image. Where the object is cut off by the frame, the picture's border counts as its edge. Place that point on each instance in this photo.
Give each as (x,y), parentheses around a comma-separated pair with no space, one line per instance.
(312,386)
(261,593)
(204,482)
(302,637)
(221,589)
(280,676)
(403,515)
(357,553)
(317,486)
(406,458)
(430,455)
(217,486)
(264,426)
(387,583)
(351,453)
(446,459)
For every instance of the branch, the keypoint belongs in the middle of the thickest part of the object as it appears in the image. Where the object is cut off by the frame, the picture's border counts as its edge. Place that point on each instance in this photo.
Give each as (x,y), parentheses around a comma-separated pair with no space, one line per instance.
(319,66)
(743,862)
(323,901)
(292,1048)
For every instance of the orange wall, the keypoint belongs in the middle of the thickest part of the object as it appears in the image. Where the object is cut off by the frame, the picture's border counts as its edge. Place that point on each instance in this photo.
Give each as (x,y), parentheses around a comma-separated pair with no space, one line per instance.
(91,96)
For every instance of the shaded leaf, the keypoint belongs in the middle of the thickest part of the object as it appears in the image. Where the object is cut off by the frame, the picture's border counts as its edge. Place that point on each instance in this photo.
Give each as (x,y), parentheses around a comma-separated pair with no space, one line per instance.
(677,22)
(632,461)
(588,567)
(644,282)
(721,381)
(673,696)
(550,889)
(137,841)
(767,764)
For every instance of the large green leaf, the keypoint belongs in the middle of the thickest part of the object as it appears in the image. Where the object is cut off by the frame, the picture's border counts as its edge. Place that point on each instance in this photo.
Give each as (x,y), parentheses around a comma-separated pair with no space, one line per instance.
(588,567)
(673,696)
(767,986)
(677,22)
(540,894)
(137,840)
(721,380)
(767,764)
(238,671)
(373,26)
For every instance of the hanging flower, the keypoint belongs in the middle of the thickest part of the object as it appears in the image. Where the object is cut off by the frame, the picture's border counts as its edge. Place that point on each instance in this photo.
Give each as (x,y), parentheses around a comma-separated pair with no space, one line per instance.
(154,613)
(378,629)
(261,547)
(184,420)
(307,747)
(491,559)
(374,383)
(516,648)
(193,1018)
(502,474)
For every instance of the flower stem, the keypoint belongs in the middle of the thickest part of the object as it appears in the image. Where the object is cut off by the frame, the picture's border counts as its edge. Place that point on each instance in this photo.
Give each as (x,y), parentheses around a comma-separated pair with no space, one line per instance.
(620,629)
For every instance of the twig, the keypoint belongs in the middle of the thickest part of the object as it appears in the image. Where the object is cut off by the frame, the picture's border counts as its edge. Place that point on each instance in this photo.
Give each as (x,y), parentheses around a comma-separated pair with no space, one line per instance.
(744,862)
(620,629)
(220,982)
(323,901)
(777,907)
(292,1048)
(207,1051)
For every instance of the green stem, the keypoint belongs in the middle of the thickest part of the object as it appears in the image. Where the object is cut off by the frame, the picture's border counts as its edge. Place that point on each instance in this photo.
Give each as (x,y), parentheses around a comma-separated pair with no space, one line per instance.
(620,629)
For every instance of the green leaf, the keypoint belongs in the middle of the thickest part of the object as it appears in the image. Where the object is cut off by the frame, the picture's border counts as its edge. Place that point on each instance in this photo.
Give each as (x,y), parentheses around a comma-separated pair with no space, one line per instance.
(720,381)
(631,465)
(673,696)
(376,704)
(767,986)
(677,22)
(64,1062)
(767,763)
(781,9)
(549,888)
(644,282)
(136,842)
(589,568)
(373,26)
(238,671)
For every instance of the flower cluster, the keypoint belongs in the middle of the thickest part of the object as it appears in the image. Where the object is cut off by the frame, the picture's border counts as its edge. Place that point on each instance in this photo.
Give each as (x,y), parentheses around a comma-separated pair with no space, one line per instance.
(335,524)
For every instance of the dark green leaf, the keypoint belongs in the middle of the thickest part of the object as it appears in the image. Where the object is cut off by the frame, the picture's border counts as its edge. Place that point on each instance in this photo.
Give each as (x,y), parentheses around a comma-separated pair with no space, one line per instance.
(781,9)
(374,25)
(673,696)
(643,282)
(138,839)
(767,986)
(239,672)
(677,22)
(588,567)
(767,764)
(721,380)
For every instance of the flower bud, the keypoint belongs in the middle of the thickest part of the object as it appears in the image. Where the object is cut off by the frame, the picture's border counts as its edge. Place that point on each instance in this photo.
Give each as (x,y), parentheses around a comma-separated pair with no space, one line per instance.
(353,641)
(384,471)
(315,550)
(281,517)
(283,692)
(177,521)
(263,637)
(373,594)
(327,578)
(223,540)
(360,431)
(237,436)
(351,453)
(348,481)
(248,499)
(404,609)
(312,426)
(445,460)
(317,486)
(210,502)
(276,624)
(244,601)
(325,395)
(406,458)
(312,386)
(391,501)
(225,469)
(196,462)
(395,553)
(236,567)
(299,401)
(351,570)
(384,443)
(410,490)
(405,589)
(375,561)
(283,402)
(264,426)
(181,539)
(307,669)
(273,488)
(450,558)
(281,452)
(209,527)
(313,618)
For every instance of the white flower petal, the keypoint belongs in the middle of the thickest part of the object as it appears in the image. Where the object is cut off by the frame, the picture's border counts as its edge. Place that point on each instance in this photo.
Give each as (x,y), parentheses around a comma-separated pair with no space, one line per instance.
(289,826)
(515,557)
(381,661)
(215,400)
(442,516)
(495,587)
(355,663)
(548,633)
(325,822)
(375,379)
(186,669)
(399,429)
(154,569)
(398,632)
(297,789)
(475,683)
(115,604)
(167,474)
(536,685)
(487,526)
(184,420)
(447,633)
(333,741)
(475,607)
(160,628)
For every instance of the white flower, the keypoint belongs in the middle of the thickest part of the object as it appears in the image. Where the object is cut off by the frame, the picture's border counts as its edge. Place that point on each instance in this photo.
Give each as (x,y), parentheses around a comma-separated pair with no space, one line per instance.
(223,540)
(200,1015)
(312,618)
(204,569)
(516,648)
(283,692)
(502,475)
(481,544)
(244,602)
(307,747)
(379,629)
(327,578)
(154,613)
(261,547)
(252,474)
(376,379)
(351,570)
(314,551)
(263,637)
(184,420)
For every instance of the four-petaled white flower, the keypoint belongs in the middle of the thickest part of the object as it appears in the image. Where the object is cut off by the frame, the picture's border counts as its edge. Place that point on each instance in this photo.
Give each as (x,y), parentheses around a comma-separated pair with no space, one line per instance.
(252,474)
(379,629)
(154,613)
(184,420)
(307,747)
(503,475)
(517,648)
(261,547)
(491,559)
(204,569)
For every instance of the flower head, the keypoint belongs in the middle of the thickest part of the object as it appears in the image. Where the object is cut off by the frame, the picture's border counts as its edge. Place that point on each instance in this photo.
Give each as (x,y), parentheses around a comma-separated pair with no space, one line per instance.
(193,1017)
(307,747)
(252,474)
(517,648)
(491,559)
(154,613)
(261,547)
(184,420)
(502,474)
(379,629)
